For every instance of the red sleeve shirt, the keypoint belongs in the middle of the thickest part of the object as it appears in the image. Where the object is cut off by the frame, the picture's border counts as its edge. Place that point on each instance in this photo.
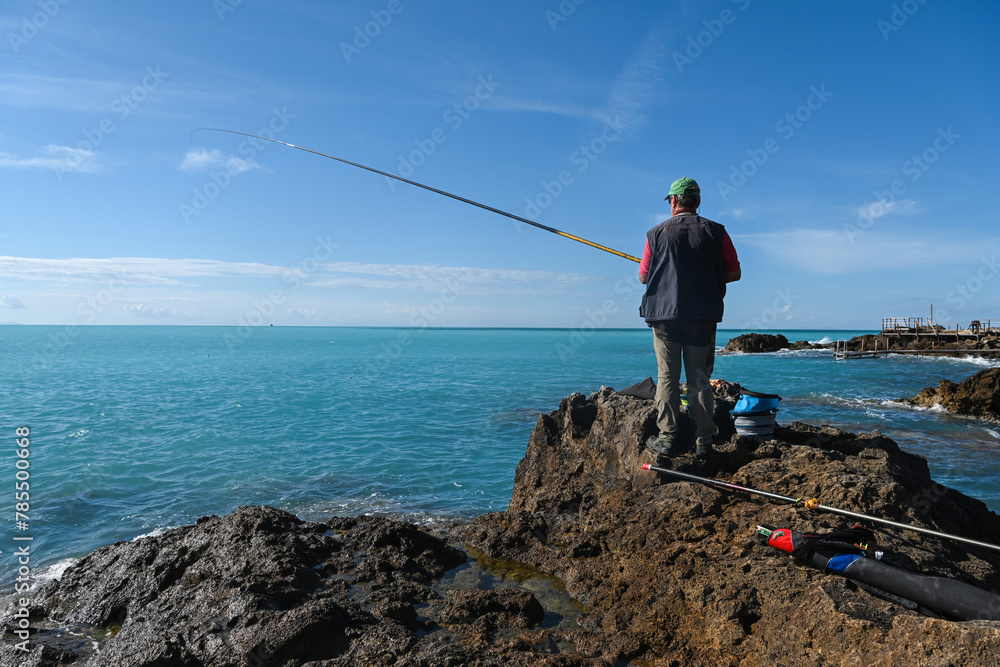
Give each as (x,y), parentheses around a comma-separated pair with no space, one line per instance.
(644,264)
(729,258)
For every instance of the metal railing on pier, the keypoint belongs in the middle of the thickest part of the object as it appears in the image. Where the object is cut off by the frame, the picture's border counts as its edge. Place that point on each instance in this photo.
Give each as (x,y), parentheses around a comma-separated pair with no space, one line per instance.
(918,327)
(840,351)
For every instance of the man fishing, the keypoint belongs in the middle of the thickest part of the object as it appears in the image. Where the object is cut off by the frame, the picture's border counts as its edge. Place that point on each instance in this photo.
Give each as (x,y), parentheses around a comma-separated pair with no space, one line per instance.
(687,262)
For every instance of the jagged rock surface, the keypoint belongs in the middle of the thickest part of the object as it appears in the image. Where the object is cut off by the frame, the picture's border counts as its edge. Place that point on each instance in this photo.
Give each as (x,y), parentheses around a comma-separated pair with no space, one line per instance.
(754,343)
(261,587)
(671,572)
(977,396)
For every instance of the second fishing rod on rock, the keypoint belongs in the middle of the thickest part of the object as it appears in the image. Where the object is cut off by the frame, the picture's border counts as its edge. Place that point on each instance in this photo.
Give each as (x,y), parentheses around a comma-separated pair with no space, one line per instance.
(440,192)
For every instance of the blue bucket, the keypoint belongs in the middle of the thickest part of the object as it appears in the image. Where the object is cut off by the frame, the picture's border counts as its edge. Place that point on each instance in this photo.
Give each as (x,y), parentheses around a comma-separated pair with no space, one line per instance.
(754,413)
(752,402)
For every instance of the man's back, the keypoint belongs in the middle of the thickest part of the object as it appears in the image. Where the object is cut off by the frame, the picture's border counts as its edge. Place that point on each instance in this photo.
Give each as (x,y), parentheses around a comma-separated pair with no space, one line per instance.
(687,274)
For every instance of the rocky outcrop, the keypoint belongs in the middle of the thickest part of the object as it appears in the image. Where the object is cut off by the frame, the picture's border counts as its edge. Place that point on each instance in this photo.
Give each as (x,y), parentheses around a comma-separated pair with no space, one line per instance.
(261,587)
(666,572)
(977,396)
(671,572)
(943,342)
(754,343)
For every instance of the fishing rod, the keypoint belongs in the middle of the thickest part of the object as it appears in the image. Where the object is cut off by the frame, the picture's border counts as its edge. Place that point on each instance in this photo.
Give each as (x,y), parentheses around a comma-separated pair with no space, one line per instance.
(440,192)
(813,505)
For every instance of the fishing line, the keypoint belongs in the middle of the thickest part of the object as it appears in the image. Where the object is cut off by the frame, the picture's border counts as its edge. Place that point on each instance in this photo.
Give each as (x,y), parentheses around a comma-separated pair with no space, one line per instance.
(440,192)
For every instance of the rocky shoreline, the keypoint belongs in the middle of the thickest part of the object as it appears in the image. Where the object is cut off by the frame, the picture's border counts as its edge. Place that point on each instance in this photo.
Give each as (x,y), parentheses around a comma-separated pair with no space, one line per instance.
(977,396)
(664,572)
(986,345)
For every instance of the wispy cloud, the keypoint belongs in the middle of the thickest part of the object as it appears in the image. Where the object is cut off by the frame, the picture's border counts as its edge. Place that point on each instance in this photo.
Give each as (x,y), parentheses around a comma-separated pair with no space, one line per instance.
(58,158)
(878,209)
(831,252)
(181,272)
(33,91)
(304,313)
(143,270)
(151,312)
(639,83)
(8,301)
(500,103)
(432,277)
(202,159)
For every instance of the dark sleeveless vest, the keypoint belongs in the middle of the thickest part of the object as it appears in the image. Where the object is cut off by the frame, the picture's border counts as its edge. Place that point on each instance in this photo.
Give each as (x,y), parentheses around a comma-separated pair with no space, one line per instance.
(687,277)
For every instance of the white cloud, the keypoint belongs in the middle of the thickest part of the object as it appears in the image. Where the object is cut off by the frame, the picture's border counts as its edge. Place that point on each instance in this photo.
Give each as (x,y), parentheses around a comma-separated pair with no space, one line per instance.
(878,209)
(129,269)
(7,301)
(58,158)
(499,103)
(638,83)
(433,278)
(202,159)
(831,251)
(409,277)
(143,310)
(35,91)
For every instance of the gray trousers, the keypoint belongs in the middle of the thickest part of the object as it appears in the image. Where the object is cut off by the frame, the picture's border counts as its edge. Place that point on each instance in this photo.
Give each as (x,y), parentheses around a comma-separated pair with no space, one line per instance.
(692,341)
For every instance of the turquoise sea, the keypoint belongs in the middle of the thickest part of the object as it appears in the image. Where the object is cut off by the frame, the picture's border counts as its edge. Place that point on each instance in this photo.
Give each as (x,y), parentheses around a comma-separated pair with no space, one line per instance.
(135,430)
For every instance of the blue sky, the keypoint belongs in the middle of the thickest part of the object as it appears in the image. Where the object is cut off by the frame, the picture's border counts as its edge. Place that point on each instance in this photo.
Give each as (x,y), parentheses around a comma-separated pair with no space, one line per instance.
(849,148)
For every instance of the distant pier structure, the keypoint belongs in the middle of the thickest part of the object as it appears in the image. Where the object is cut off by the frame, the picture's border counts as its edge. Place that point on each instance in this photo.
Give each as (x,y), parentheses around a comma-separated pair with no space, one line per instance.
(917,328)
(915,335)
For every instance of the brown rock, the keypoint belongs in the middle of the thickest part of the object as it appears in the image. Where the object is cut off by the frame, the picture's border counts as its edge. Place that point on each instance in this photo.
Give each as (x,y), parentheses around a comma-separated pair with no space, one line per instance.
(496,608)
(673,573)
(977,396)
(669,571)
(755,342)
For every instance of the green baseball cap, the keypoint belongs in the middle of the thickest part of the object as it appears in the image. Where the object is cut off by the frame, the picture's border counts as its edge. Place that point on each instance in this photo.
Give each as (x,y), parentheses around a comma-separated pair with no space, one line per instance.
(683,186)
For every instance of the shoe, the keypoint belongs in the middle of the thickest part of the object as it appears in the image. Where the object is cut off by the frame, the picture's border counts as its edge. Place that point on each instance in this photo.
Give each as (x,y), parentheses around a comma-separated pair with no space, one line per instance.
(703,449)
(663,444)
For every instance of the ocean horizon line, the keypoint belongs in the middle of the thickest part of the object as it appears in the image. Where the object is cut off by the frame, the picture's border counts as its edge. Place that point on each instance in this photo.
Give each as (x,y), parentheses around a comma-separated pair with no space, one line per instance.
(407,327)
